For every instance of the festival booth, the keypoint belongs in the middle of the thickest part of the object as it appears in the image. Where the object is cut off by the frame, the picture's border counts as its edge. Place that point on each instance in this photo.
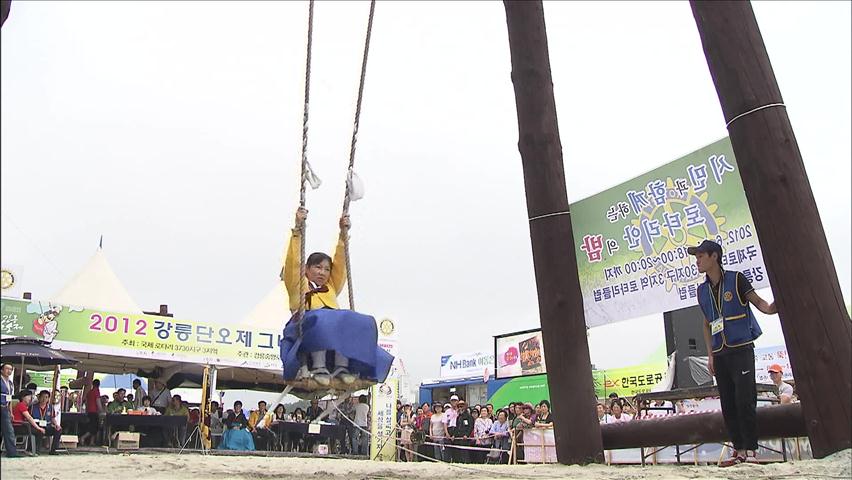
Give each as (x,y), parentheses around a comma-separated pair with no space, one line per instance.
(463,374)
(94,319)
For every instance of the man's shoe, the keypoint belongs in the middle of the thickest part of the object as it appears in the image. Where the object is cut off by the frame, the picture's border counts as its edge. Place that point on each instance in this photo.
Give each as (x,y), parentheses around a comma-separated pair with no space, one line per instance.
(735,458)
(751,456)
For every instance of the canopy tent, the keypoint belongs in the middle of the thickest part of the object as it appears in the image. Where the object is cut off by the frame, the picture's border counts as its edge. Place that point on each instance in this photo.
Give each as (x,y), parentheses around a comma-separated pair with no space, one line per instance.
(96,286)
(272,312)
(228,378)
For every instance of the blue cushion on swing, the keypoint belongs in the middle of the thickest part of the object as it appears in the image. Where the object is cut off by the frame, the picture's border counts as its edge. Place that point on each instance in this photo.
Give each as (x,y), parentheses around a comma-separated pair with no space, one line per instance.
(352,334)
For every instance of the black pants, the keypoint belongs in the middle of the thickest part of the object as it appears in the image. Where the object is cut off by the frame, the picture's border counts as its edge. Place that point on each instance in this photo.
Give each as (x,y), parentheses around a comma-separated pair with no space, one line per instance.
(49,431)
(738,396)
(460,455)
(264,439)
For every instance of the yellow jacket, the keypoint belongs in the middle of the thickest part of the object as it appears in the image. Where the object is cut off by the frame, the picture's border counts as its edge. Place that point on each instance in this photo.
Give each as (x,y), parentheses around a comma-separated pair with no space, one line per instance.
(255,418)
(292,273)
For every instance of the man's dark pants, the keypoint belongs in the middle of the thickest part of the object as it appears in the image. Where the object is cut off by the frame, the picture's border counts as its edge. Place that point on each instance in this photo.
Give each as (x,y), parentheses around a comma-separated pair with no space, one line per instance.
(738,396)
(8,431)
(49,431)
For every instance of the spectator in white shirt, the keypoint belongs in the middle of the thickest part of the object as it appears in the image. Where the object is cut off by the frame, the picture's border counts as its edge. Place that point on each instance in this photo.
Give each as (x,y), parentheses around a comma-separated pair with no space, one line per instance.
(138,393)
(147,409)
(784,389)
(616,415)
(360,440)
(160,395)
(601,413)
(452,414)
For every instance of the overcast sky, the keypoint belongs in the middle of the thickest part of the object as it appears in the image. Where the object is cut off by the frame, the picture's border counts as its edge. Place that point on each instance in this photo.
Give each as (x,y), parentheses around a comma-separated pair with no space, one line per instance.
(174,130)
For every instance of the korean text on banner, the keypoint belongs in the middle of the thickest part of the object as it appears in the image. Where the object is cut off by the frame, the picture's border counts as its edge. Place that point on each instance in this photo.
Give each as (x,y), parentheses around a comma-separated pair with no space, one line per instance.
(766,357)
(628,381)
(383,423)
(140,336)
(631,240)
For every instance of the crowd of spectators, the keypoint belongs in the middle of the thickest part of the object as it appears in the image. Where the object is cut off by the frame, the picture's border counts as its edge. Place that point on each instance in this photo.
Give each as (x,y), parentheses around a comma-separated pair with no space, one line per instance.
(459,433)
(263,429)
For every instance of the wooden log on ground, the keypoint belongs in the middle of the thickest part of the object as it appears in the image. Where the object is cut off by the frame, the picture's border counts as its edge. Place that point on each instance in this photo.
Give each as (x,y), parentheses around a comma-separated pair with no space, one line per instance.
(777,421)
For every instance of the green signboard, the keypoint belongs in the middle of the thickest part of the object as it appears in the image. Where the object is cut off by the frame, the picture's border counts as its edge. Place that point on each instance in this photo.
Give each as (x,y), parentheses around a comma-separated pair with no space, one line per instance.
(631,239)
(626,382)
(140,336)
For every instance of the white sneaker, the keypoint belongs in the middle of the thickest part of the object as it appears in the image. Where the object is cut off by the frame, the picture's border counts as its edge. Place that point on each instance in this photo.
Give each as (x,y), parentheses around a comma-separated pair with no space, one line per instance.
(303,372)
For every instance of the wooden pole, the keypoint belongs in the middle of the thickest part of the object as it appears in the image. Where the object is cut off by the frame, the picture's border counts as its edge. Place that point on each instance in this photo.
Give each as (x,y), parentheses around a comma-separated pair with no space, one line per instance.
(5,7)
(816,327)
(560,304)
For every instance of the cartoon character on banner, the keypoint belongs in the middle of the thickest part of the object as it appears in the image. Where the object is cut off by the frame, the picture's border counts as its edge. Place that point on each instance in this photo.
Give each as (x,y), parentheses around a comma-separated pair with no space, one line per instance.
(47,324)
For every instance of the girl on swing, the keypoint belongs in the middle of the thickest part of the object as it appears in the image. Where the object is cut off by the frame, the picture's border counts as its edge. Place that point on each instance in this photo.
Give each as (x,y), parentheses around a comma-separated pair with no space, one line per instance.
(323,281)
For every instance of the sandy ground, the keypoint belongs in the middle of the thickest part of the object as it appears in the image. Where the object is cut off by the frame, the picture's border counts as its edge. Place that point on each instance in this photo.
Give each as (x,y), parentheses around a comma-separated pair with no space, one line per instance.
(92,466)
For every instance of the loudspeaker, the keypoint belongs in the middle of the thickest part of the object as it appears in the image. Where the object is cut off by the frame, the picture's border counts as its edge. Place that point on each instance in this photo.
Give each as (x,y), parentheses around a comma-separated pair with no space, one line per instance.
(685,335)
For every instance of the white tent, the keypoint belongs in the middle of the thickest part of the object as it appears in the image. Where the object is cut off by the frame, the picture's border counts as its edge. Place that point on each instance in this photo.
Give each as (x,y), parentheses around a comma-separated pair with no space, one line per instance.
(96,286)
(272,312)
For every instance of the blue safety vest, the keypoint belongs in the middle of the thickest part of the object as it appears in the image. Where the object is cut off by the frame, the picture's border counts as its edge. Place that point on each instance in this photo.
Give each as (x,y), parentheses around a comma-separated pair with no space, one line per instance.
(740,326)
(35,411)
(5,392)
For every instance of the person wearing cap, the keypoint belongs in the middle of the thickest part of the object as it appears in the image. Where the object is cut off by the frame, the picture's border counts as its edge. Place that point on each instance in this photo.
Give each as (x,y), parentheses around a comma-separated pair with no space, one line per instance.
(463,433)
(730,330)
(452,412)
(784,390)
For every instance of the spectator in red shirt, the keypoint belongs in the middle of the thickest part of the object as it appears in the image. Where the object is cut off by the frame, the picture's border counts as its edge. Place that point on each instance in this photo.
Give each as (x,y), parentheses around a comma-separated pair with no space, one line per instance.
(21,418)
(94,408)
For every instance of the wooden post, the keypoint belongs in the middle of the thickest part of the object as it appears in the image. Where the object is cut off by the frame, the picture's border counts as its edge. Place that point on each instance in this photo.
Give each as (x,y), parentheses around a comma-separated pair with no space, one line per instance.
(801,271)
(560,304)
(5,7)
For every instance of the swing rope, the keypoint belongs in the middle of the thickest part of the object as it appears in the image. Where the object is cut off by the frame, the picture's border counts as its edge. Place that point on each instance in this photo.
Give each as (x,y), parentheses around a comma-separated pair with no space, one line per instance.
(346,196)
(304,176)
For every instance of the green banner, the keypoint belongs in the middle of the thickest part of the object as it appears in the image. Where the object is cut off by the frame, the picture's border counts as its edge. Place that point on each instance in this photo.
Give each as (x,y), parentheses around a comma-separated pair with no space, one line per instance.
(140,336)
(631,239)
(626,382)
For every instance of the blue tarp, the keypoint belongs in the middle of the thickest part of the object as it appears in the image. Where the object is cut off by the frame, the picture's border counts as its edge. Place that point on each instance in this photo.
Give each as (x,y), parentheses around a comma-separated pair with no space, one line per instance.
(352,334)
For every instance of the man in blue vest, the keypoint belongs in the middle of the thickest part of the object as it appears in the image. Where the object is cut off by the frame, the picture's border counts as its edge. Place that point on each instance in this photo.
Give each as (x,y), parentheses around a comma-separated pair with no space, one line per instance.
(6,392)
(730,330)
